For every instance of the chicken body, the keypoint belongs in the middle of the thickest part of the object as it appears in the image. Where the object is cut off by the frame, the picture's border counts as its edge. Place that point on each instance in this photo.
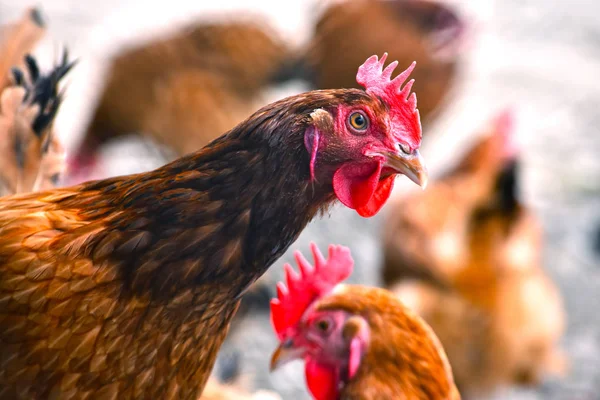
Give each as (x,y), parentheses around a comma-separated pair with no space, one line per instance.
(470,265)
(358,342)
(185,90)
(125,287)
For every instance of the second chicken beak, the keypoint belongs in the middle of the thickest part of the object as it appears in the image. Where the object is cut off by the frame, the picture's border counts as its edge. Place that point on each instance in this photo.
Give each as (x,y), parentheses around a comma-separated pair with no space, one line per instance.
(412,165)
(284,354)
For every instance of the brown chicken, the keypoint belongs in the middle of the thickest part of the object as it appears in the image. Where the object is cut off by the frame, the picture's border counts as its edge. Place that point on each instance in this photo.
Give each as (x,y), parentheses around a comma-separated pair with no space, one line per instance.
(184,91)
(31,157)
(125,287)
(422,30)
(357,342)
(466,255)
(16,40)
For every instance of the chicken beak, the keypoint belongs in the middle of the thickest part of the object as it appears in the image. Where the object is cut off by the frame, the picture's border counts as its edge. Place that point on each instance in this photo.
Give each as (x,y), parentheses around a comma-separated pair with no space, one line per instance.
(284,354)
(412,165)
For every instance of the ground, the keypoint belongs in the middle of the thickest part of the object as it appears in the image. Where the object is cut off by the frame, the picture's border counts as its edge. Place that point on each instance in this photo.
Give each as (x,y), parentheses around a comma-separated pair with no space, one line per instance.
(539,57)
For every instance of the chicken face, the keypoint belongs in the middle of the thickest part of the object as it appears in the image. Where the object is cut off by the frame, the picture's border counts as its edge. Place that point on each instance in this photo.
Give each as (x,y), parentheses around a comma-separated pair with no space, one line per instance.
(332,343)
(374,139)
(326,339)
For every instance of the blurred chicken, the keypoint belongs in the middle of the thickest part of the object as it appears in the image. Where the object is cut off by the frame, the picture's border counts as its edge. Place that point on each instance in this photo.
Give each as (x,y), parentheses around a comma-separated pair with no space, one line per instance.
(426,31)
(16,40)
(466,255)
(185,90)
(31,157)
(357,342)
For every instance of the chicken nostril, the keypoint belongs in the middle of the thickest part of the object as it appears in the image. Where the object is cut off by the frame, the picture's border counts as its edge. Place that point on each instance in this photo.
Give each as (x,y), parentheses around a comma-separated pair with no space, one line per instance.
(404,148)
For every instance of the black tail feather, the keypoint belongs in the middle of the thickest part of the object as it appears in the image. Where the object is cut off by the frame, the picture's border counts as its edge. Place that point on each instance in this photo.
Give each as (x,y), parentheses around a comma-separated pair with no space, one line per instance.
(507,187)
(43,89)
(37,17)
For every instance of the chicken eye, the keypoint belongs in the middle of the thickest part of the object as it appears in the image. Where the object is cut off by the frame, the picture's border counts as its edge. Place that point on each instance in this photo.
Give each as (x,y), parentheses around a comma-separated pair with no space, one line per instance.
(358,121)
(323,325)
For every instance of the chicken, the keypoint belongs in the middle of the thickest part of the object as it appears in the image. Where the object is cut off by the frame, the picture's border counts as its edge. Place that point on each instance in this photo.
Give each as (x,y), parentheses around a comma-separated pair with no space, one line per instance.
(125,287)
(16,40)
(357,342)
(466,256)
(427,31)
(185,90)
(32,158)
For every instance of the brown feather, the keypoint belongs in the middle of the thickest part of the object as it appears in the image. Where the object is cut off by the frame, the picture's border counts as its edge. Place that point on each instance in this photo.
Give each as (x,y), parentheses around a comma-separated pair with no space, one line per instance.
(187,89)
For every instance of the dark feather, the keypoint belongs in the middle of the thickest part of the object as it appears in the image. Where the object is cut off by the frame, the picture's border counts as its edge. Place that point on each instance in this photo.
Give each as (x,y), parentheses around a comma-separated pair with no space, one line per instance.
(36,16)
(507,187)
(18,76)
(43,89)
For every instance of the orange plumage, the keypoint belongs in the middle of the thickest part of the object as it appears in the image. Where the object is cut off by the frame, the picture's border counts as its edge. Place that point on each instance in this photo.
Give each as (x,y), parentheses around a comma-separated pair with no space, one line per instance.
(16,40)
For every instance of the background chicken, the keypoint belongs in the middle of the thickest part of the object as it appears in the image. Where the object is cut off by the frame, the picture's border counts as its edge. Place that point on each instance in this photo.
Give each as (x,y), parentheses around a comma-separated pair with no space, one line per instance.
(18,39)
(466,255)
(125,287)
(357,342)
(32,158)
(429,32)
(186,89)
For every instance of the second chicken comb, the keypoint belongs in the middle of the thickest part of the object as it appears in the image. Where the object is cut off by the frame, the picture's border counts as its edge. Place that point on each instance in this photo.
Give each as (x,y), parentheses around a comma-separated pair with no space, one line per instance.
(304,288)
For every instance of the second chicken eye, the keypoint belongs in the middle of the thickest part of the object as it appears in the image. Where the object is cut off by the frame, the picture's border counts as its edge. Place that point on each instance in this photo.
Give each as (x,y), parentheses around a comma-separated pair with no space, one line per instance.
(323,325)
(358,121)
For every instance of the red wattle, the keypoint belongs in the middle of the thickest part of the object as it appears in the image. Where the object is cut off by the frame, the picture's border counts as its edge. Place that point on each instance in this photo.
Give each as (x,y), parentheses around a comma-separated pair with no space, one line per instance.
(358,186)
(382,193)
(355,183)
(322,381)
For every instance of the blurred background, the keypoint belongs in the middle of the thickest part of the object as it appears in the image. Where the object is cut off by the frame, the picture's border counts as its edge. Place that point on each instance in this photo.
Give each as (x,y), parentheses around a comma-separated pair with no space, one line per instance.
(524,71)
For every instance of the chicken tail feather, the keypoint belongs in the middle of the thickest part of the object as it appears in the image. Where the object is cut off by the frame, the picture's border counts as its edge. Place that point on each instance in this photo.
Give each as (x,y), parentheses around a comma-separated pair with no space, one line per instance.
(31,157)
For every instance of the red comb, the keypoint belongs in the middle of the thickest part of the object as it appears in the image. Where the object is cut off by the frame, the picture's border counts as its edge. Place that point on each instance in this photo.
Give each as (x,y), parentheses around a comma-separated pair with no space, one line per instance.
(403,104)
(312,283)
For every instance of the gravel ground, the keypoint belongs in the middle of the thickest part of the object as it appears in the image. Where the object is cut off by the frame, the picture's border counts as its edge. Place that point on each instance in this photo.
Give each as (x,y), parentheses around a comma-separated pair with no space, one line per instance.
(540,57)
